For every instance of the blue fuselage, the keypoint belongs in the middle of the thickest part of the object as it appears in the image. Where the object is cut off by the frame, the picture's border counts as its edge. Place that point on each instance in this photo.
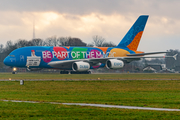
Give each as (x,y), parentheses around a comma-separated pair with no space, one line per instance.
(39,56)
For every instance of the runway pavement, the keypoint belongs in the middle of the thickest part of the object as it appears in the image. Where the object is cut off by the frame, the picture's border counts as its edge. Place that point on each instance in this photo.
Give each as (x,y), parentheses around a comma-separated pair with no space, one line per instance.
(99,105)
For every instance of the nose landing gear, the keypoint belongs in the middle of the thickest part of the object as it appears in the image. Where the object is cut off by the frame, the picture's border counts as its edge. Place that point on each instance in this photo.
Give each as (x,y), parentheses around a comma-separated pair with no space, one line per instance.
(14,70)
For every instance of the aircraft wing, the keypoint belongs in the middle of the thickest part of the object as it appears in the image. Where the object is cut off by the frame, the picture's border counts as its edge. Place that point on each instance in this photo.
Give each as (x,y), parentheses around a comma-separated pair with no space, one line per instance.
(68,63)
(95,61)
(141,54)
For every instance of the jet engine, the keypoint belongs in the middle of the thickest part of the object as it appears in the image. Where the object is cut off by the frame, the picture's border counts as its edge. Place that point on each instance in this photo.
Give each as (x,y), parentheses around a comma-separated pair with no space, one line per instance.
(114,64)
(80,66)
(34,69)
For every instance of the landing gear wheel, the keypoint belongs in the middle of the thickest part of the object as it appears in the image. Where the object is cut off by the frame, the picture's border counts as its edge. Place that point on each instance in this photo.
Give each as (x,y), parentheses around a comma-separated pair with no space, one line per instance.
(83,72)
(64,72)
(13,72)
(89,72)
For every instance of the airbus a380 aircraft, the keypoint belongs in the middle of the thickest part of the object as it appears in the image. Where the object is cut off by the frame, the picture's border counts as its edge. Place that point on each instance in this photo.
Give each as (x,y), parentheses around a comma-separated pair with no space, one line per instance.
(81,59)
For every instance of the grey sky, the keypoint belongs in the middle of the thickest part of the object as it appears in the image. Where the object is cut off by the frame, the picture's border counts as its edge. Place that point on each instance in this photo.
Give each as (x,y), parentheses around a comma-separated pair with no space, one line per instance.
(156,7)
(61,17)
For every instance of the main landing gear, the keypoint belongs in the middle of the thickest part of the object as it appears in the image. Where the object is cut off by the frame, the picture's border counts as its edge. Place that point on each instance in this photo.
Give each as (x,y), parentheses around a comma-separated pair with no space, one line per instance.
(75,72)
(83,72)
(64,72)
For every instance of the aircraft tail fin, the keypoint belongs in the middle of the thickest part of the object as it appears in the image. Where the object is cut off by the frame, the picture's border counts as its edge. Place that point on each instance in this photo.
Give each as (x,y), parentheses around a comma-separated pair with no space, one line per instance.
(133,36)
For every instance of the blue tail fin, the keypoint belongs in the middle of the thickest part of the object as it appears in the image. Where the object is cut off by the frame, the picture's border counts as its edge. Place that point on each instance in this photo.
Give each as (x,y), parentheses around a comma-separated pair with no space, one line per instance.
(132,38)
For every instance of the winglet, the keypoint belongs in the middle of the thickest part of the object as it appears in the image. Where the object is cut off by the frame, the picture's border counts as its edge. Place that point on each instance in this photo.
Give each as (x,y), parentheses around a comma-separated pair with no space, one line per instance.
(175,56)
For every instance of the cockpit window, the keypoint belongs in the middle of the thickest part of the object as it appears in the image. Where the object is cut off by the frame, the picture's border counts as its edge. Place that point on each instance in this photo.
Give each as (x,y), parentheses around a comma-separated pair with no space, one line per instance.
(11,55)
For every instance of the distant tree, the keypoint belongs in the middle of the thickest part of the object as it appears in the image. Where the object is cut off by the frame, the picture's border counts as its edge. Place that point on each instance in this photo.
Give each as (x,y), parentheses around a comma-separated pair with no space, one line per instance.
(9,44)
(90,45)
(37,42)
(108,44)
(53,41)
(98,40)
(63,41)
(23,43)
(171,62)
(48,42)
(156,60)
(2,56)
(75,42)
(1,48)
(9,48)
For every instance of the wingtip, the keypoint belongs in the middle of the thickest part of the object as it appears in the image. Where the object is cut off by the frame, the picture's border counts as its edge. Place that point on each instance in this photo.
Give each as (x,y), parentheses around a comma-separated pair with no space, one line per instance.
(175,56)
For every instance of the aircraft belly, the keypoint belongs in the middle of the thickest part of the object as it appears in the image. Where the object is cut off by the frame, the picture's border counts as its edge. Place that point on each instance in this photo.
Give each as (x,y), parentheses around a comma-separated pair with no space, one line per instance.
(62,66)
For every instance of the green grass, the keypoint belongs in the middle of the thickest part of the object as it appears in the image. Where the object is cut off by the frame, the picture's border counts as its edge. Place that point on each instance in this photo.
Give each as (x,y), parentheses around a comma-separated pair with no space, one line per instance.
(52,76)
(136,93)
(40,111)
(143,93)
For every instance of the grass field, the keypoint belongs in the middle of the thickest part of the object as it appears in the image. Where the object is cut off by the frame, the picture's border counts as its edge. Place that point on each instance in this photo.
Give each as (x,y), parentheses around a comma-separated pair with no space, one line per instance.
(24,111)
(144,93)
(53,76)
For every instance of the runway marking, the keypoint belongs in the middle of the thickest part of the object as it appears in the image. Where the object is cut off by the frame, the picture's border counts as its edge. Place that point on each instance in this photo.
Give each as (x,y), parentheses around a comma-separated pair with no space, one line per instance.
(99,105)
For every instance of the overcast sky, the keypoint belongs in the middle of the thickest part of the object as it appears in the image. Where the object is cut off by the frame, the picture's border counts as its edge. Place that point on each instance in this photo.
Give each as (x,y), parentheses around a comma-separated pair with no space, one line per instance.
(83,19)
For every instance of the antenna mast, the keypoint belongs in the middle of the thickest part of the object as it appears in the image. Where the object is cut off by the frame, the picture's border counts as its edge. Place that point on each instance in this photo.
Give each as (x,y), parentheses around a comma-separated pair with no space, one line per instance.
(33,29)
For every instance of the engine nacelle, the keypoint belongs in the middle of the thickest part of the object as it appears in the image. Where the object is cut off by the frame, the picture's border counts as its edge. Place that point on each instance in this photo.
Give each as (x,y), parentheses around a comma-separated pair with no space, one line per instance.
(80,66)
(114,64)
(34,69)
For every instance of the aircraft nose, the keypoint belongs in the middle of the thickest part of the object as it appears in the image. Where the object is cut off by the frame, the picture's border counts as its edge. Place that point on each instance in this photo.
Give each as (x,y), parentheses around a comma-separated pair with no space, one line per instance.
(7,61)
